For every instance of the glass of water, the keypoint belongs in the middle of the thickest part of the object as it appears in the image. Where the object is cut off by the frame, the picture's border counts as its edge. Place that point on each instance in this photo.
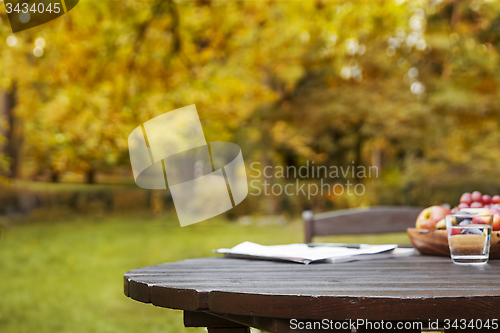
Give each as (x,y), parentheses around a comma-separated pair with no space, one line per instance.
(469,238)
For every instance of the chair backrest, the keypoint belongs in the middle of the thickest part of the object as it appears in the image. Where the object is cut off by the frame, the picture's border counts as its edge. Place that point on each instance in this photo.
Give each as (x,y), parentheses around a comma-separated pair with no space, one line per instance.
(366,220)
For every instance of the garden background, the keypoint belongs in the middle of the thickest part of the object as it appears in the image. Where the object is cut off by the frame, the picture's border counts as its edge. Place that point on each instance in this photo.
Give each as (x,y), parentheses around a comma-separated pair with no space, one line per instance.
(408,87)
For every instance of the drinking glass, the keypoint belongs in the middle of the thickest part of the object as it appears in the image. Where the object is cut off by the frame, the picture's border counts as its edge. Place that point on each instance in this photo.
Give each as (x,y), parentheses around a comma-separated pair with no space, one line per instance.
(469,238)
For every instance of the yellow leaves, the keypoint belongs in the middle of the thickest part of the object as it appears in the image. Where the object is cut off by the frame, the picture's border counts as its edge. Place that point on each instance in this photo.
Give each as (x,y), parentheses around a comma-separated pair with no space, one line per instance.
(487,86)
(118,64)
(290,137)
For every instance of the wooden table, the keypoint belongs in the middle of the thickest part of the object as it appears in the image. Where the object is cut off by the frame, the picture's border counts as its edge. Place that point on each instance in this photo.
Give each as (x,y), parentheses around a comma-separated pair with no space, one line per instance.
(230,295)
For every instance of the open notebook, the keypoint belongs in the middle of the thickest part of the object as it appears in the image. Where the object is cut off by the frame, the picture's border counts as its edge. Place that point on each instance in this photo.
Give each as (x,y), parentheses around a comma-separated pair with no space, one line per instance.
(304,254)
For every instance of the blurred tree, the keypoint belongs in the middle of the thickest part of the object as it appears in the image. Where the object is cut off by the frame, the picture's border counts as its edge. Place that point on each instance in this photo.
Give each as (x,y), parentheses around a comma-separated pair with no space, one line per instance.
(10,130)
(409,86)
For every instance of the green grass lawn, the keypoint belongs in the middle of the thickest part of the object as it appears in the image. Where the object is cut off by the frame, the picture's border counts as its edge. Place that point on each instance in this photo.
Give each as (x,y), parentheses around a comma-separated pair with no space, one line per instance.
(67,276)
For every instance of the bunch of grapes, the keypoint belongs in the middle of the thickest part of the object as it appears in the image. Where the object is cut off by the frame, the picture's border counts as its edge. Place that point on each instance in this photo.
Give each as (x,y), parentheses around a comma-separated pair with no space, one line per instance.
(477,200)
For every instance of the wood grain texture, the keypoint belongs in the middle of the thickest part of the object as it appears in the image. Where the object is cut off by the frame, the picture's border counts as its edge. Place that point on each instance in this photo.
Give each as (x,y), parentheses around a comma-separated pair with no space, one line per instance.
(203,319)
(278,325)
(379,219)
(412,288)
(435,242)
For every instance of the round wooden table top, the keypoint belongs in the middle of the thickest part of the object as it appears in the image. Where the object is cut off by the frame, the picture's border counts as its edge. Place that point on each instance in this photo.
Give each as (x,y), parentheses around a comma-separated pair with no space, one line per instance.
(410,288)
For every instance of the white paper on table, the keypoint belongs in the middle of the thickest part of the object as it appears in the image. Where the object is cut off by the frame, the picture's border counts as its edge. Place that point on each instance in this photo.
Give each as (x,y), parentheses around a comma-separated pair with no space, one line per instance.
(302,253)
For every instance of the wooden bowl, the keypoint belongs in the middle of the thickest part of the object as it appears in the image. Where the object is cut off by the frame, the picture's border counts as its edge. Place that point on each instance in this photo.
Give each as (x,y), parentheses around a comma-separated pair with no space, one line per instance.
(435,242)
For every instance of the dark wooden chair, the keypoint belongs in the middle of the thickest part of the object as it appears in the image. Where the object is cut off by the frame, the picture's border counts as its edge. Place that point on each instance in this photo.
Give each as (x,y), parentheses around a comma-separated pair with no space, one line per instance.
(380,219)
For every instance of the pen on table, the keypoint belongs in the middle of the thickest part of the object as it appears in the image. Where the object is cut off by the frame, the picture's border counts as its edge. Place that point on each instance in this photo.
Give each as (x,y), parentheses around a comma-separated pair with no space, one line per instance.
(349,246)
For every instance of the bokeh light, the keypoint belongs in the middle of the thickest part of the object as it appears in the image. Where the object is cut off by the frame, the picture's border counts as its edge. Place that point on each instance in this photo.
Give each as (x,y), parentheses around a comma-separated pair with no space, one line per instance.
(40,42)
(38,51)
(12,41)
(417,88)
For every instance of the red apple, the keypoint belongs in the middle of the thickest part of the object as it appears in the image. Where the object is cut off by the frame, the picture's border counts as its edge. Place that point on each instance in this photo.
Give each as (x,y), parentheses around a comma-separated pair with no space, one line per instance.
(455,231)
(496,223)
(496,199)
(477,196)
(486,220)
(486,199)
(428,218)
(476,204)
(463,205)
(496,218)
(481,219)
(466,198)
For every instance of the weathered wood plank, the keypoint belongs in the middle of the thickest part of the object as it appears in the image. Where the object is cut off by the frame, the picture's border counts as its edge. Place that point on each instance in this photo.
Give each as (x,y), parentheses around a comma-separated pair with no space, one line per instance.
(367,220)
(179,298)
(203,319)
(413,288)
(339,308)
(228,330)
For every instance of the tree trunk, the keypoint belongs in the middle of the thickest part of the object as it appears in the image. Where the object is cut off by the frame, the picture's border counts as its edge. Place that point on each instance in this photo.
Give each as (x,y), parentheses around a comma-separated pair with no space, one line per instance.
(358,146)
(13,132)
(90,176)
(377,158)
(54,176)
(455,15)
